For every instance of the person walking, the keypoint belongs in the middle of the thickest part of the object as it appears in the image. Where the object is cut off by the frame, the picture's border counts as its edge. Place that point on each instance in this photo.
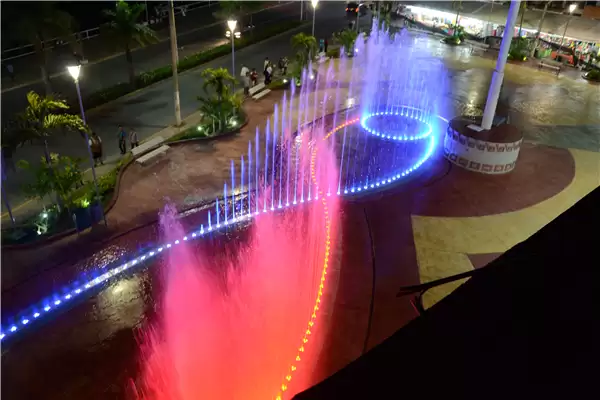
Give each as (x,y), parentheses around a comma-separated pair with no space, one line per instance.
(268,74)
(11,72)
(265,65)
(133,138)
(96,147)
(254,77)
(245,75)
(122,136)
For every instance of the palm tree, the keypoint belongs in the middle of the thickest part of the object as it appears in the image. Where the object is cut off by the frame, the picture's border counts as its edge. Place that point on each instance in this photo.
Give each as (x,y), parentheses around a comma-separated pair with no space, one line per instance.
(125,30)
(39,22)
(347,39)
(217,79)
(304,45)
(43,117)
(539,29)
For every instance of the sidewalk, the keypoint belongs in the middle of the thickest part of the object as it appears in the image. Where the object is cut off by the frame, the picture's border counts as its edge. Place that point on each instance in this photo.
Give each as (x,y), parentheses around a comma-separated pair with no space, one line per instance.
(97,50)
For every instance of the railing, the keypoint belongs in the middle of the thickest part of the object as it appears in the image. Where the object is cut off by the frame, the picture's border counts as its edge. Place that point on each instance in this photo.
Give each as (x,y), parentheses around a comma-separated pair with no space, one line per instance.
(161,15)
(420,290)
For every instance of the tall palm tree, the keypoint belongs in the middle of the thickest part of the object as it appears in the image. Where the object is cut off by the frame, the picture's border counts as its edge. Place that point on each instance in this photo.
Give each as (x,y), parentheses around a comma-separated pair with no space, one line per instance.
(39,22)
(456,5)
(304,45)
(219,80)
(522,8)
(125,30)
(539,29)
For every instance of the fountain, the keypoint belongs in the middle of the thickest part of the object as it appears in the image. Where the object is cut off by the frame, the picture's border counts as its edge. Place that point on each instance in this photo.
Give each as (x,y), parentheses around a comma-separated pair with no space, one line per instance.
(248,324)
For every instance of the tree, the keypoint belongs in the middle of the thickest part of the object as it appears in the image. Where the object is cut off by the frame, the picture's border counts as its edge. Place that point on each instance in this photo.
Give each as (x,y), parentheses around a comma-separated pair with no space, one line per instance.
(539,29)
(43,117)
(125,30)
(347,39)
(38,23)
(217,79)
(304,45)
(219,104)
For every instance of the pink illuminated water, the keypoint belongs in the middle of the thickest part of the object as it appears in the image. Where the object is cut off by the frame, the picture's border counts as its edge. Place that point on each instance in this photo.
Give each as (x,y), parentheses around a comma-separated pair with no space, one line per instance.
(234,328)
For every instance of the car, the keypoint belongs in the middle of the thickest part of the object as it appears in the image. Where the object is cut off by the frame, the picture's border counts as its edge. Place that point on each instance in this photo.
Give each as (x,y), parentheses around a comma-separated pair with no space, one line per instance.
(352,8)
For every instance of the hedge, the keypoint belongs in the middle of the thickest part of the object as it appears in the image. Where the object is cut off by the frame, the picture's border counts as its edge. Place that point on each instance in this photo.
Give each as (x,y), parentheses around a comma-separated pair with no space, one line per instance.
(149,77)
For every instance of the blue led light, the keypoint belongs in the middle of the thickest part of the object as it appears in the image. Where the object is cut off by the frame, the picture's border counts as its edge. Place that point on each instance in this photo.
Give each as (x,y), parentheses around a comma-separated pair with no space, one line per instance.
(364,122)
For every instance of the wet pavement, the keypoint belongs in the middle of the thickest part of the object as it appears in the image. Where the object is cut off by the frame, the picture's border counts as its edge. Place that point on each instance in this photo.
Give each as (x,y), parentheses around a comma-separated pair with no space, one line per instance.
(439,223)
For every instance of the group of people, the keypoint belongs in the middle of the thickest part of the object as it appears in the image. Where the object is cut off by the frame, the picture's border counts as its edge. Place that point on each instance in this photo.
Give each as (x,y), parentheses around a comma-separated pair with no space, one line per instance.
(95,143)
(250,77)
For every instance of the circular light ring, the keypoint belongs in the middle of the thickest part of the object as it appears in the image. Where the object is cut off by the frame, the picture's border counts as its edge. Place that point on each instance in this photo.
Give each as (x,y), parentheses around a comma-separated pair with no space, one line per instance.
(405,112)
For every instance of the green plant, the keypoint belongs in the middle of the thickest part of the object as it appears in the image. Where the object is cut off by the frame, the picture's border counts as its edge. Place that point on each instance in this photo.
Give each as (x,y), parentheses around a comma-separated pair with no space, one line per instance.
(219,80)
(124,30)
(593,75)
(62,175)
(452,40)
(305,47)
(347,39)
(334,52)
(519,49)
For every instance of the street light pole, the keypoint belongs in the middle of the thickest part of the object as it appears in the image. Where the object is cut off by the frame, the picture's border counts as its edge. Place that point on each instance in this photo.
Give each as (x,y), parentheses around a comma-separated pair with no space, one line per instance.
(174,59)
(74,71)
(498,74)
(314,4)
(231,25)
(572,8)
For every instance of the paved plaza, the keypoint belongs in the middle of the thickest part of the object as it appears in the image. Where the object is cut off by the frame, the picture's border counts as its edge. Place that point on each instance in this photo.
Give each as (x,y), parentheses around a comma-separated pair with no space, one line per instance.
(442,222)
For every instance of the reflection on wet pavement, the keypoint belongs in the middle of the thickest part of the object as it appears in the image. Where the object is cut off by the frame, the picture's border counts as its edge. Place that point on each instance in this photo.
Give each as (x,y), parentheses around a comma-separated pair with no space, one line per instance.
(90,352)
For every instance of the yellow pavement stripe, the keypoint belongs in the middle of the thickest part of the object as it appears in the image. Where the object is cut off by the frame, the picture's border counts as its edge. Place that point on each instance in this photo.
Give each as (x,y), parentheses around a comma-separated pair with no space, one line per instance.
(442,243)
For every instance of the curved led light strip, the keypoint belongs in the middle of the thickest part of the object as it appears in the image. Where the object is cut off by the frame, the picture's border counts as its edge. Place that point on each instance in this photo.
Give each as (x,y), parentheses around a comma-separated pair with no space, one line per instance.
(406,112)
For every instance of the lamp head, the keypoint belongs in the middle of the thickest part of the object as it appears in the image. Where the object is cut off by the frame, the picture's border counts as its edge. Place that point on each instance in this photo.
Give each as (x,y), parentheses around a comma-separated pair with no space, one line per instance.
(74,71)
(231,24)
(572,8)
(314,3)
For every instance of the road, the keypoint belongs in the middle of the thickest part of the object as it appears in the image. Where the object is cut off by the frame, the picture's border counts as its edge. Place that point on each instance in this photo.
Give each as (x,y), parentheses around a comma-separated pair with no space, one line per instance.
(151,110)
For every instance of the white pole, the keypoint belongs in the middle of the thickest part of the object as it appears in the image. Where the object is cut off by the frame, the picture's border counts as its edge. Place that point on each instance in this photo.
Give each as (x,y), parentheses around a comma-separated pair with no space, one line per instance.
(174,59)
(314,13)
(301,9)
(87,143)
(498,75)
(232,55)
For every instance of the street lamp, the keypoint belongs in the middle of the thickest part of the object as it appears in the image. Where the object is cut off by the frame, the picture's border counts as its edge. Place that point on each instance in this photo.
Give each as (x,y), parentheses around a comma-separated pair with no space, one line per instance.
(572,8)
(233,34)
(314,4)
(74,72)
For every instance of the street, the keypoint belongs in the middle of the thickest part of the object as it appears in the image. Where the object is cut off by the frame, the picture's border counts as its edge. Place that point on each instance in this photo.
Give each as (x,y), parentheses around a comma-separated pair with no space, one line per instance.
(151,109)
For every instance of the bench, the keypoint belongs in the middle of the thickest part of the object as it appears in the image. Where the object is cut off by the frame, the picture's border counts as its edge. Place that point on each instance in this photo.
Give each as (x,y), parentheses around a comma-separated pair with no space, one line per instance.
(257,88)
(153,154)
(147,146)
(261,94)
(550,65)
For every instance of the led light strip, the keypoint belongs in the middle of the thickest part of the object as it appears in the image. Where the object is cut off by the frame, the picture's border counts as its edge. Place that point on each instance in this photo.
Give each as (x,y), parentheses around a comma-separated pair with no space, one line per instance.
(406,112)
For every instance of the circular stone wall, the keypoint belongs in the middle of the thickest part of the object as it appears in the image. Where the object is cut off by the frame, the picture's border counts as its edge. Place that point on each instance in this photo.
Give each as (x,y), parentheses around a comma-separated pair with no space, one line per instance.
(493,151)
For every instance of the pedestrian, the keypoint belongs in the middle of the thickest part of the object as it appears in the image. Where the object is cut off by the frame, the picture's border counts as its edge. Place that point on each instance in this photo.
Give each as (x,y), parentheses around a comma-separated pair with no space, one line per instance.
(96,147)
(254,77)
(11,72)
(122,136)
(245,75)
(8,164)
(285,65)
(265,65)
(326,45)
(133,138)
(268,74)
(321,45)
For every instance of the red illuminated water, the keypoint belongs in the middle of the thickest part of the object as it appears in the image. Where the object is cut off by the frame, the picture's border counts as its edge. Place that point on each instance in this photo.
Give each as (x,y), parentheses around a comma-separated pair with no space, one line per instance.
(245,326)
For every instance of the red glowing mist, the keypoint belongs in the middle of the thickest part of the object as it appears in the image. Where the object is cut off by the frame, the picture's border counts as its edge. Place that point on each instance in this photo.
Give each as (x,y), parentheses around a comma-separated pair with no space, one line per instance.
(243,329)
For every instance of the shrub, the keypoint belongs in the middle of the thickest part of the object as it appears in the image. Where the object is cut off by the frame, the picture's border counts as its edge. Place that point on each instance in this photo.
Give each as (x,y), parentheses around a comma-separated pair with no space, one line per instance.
(452,40)
(593,75)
